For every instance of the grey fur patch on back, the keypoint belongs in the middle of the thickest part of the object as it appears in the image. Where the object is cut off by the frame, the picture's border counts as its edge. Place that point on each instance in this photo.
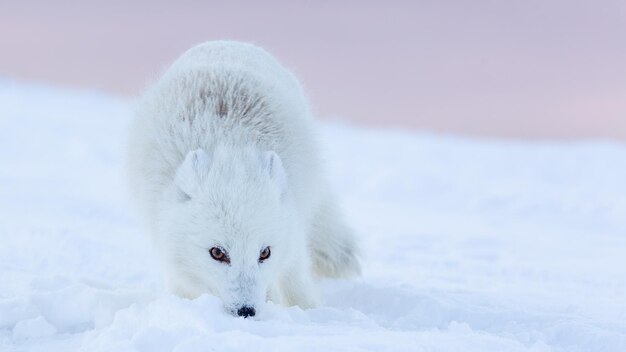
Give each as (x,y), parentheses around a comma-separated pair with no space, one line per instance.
(235,99)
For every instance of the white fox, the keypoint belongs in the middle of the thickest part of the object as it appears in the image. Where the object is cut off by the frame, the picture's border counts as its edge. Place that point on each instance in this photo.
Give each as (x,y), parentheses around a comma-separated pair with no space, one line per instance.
(223,160)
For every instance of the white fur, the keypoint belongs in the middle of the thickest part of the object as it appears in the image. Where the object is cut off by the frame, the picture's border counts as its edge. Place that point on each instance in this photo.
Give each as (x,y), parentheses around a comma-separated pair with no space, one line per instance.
(222,153)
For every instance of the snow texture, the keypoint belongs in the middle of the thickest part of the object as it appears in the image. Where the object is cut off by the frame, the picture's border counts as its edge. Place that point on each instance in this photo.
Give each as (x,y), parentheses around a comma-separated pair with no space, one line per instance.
(470,245)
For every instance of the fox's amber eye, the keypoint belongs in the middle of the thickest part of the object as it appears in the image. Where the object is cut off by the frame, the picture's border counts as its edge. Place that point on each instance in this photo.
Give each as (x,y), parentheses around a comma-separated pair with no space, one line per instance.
(265,253)
(218,254)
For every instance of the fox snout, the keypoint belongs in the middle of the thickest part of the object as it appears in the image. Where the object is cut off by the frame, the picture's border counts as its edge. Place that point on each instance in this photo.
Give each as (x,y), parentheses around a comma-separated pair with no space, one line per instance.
(246,311)
(244,293)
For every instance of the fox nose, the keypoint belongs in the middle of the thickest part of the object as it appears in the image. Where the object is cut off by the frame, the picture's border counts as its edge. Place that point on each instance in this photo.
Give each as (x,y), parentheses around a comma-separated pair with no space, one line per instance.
(246,311)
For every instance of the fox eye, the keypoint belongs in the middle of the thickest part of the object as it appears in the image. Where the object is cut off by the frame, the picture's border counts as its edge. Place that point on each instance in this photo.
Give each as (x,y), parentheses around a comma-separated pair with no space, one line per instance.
(265,253)
(219,254)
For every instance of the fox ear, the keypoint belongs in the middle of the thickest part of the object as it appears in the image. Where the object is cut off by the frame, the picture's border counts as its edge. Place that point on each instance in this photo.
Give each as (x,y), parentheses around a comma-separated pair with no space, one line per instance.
(274,166)
(192,171)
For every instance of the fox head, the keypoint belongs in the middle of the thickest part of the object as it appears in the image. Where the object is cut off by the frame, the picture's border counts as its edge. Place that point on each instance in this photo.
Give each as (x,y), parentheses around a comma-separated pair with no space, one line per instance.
(225,227)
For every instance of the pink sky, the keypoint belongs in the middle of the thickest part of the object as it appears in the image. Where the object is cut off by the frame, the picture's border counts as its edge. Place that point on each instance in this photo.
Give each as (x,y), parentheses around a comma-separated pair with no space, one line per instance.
(536,68)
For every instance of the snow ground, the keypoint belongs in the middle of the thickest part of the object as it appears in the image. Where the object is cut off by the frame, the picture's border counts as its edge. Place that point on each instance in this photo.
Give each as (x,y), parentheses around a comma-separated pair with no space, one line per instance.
(471,245)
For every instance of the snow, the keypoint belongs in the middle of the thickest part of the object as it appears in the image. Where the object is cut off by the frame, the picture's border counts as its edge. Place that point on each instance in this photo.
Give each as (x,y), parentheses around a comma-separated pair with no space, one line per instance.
(470,245)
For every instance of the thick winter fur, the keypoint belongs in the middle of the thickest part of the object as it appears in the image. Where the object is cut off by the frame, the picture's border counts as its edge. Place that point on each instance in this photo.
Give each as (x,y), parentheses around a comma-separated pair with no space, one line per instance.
(223,154)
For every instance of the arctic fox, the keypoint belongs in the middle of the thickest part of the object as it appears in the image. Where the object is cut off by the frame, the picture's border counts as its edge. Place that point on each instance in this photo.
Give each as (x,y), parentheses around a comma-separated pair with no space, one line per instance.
(224,163)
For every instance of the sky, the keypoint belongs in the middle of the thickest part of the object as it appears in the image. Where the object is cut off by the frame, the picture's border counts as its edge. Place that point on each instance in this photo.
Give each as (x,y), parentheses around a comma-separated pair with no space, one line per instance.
(512,69)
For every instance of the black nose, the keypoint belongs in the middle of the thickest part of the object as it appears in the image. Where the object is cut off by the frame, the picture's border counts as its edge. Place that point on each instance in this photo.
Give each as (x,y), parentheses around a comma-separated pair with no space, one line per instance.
(246,311)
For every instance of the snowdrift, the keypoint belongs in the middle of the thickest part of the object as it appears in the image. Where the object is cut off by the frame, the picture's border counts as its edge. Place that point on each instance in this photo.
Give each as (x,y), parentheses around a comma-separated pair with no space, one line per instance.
(470,245)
